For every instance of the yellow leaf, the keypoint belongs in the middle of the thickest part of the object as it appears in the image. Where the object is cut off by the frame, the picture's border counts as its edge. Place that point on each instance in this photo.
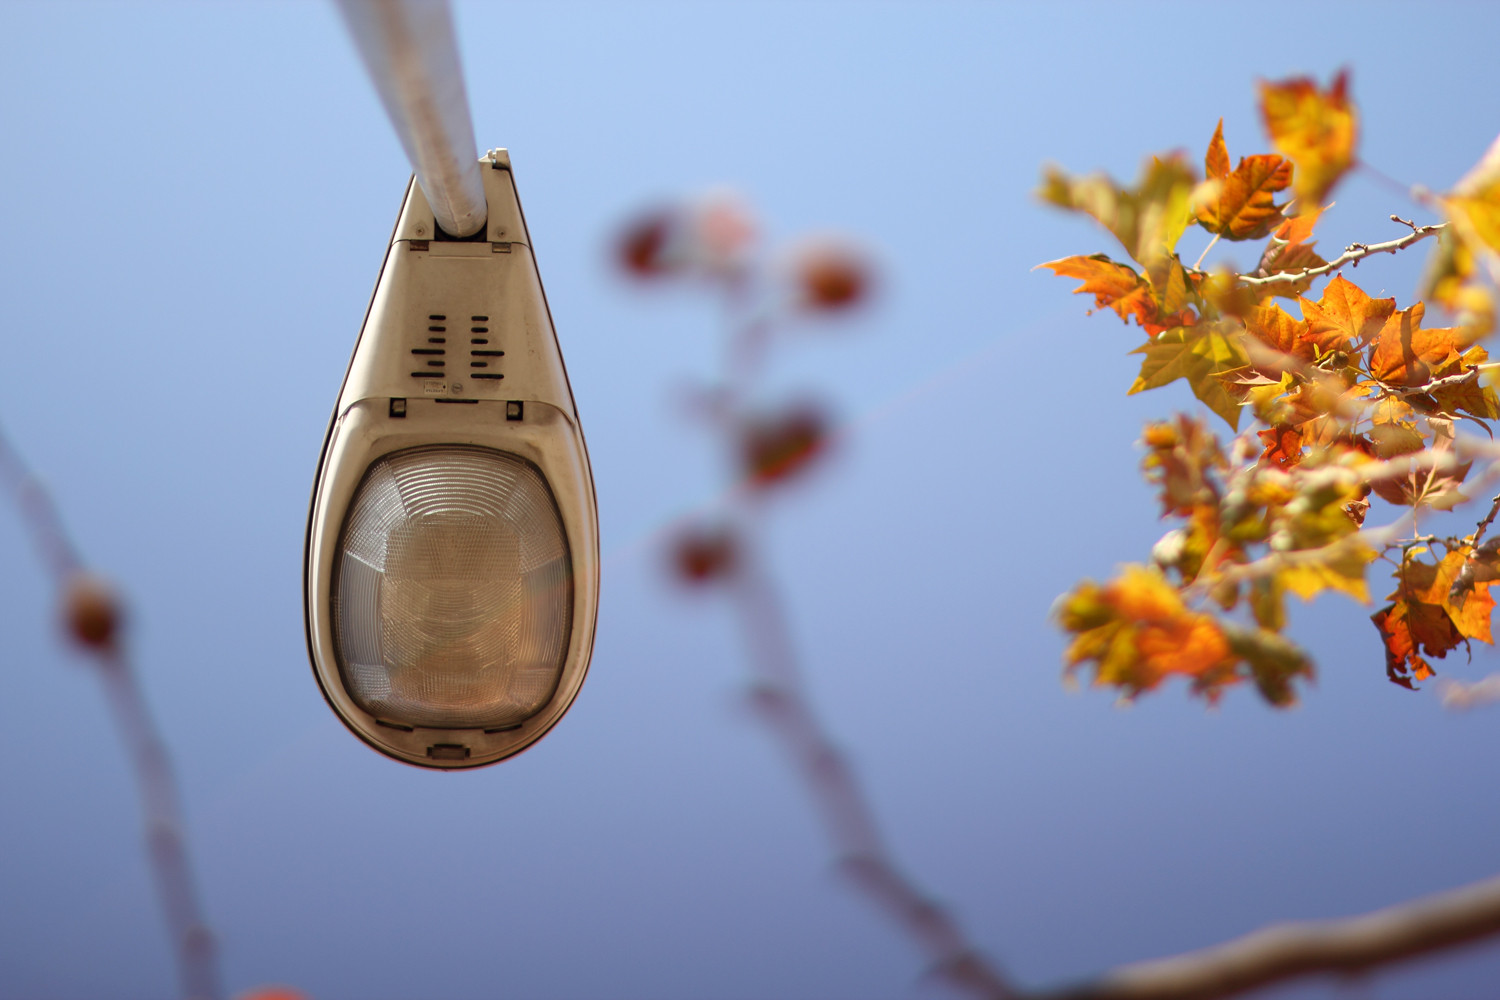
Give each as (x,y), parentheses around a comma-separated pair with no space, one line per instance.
(1316,129)
(1197,354)
(1148,220)
(1343,569)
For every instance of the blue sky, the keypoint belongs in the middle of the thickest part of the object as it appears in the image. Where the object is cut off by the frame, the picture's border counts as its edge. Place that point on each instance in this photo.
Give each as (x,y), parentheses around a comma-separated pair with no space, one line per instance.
(198,200)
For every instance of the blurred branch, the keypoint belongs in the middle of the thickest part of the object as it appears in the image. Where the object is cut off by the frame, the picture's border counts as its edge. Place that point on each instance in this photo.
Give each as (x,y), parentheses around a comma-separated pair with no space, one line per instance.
(1463,695)
(1281,952)
(778,697)
(92,617)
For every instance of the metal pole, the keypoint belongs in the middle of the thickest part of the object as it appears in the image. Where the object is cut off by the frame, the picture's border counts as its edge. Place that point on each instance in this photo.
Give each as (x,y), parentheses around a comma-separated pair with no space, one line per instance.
(411,52)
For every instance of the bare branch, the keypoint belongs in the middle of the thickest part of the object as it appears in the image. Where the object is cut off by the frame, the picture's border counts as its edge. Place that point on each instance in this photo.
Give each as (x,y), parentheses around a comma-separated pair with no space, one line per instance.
(779,700)
(1353,254)
(161,812)
(1281,952)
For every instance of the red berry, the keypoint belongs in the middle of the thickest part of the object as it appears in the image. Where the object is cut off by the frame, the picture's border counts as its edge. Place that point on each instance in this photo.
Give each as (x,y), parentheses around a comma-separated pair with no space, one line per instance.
(775,448)
(832,276)
(91,611)
(704,554)
(642,245)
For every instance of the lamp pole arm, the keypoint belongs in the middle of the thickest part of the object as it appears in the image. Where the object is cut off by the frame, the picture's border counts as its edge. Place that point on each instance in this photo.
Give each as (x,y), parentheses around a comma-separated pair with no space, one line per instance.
(412,54)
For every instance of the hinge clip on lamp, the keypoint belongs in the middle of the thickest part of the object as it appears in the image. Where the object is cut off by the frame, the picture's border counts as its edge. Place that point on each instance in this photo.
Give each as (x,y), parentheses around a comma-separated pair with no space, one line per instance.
(452,561)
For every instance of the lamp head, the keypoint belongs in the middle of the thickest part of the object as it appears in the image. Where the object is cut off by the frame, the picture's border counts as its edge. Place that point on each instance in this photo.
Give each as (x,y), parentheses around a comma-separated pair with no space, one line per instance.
(452,562)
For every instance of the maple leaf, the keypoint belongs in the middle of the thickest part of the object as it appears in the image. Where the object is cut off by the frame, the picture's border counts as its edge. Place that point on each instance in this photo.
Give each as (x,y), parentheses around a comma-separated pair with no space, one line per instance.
(1138,632)
(1148,220)
(1344,317)
(1451,280)
(1244,208)
(1405,354)
(1473,395)
(1474,204)
(1341,568)
(1274,662)
(1196,353)
(1185,461)
(1481,566)
(1427,616)
(1283,446)
(1278,342)
(1290,258)
(1430,484)
(1316,129)
(1113,285)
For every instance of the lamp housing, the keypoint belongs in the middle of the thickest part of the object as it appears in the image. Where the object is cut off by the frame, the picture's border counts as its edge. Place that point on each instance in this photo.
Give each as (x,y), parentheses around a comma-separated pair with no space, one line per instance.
(451,575)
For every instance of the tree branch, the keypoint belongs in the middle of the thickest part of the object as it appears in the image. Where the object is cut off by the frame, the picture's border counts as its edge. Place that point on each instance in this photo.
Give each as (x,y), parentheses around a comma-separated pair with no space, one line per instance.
(1352,254)
(777,696)
(1281,952)
(161,812)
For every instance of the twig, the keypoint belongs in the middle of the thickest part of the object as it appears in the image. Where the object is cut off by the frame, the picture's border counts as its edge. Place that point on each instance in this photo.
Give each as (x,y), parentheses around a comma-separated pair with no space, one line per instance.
(1199,262)
(1281,952)
(1486,521)
(197,965)
(778,697)
(1353,254)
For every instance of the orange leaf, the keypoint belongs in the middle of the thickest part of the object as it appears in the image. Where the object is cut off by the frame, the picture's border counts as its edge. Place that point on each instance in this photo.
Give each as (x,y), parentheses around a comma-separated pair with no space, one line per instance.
(1283,335)
(1298,228)
(1283,446)
(1402,662)
(1111,284)
(1405,354)
(1345,317)
(1315,129)
(1245,207)
(1216,162)
(1291,257)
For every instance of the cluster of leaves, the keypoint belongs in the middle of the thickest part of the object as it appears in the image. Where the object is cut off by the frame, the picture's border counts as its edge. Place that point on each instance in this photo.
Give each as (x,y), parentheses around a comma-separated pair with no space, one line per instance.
(1351,400)
(714,241)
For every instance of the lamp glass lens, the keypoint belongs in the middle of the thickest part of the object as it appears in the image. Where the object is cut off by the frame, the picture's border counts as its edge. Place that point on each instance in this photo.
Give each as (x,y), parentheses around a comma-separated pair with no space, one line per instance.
(452,590)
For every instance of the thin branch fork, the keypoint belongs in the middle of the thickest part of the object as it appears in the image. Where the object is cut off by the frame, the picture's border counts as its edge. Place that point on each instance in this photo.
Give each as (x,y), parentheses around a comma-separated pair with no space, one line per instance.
(1348,947)
(1353,254)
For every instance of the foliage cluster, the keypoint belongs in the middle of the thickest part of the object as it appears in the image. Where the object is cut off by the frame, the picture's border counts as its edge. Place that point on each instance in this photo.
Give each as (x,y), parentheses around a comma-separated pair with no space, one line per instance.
(1352,401)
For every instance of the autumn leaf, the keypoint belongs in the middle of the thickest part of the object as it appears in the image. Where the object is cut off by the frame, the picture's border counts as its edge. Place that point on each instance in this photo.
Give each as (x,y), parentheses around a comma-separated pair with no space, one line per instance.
(1405,354)
(1344,317)
(1427,616)
(1474,395)
(1293,259)
(1138,632)
(1403,664)
(1158,301)
(1277,343)
(1148,220)
(1274,662)
(1197,354)
(1481,566)
(1316,129)
(1434,481)
(1283,446)
(1184,461)
(1474,204)
(1115,286)
(1244,208)
(1452,281)
(1340,567)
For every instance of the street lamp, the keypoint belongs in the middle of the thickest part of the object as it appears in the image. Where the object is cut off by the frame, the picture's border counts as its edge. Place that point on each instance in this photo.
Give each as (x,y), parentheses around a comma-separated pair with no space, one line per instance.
(452,546)
(451,578)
